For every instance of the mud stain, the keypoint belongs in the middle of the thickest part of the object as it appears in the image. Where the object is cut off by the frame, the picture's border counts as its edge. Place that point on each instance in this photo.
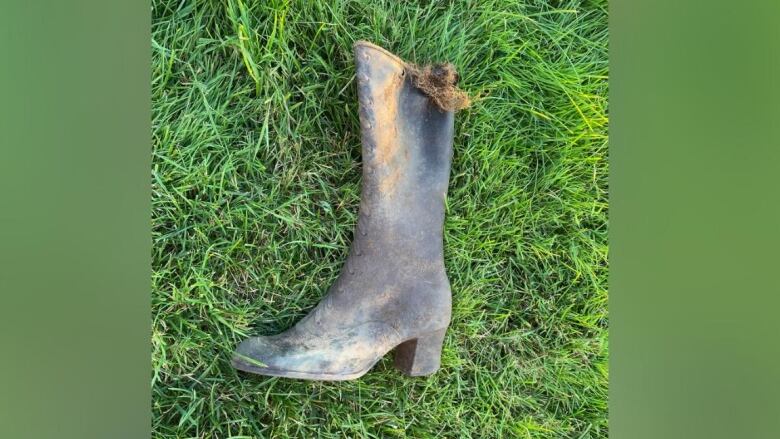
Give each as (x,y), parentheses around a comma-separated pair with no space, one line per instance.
(385,114)
(388,157)
(388,184)
(439,82)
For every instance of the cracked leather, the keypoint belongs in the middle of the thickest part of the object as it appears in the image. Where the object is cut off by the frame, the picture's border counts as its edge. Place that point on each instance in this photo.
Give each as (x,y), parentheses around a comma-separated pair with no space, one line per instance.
(393,286)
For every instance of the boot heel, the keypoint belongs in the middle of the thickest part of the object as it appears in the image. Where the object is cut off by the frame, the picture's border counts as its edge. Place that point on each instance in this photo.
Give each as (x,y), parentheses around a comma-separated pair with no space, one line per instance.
(420,356)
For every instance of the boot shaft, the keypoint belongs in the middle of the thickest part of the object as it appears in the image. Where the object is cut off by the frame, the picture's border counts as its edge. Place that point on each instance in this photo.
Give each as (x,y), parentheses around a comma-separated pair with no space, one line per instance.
(407,152)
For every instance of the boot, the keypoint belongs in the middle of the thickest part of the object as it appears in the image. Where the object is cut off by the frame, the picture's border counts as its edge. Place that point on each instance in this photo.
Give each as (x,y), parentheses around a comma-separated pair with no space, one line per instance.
(393,291)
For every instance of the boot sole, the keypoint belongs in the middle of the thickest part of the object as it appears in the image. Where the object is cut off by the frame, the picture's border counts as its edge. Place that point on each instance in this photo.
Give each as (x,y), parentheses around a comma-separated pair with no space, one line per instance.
(418,356)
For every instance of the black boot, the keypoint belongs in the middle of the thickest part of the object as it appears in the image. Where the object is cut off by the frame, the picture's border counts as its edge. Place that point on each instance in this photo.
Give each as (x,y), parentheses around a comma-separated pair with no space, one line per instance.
(393,291)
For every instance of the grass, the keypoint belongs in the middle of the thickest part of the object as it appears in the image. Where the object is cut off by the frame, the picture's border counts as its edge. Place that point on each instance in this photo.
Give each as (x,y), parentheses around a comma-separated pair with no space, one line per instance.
(256,181)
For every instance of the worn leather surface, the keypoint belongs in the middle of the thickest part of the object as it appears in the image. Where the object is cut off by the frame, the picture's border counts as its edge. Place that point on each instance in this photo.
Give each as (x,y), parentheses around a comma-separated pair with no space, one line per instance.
(393,286)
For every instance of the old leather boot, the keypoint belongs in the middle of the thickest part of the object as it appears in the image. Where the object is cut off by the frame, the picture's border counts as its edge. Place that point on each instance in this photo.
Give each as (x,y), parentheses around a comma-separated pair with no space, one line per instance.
(393,291)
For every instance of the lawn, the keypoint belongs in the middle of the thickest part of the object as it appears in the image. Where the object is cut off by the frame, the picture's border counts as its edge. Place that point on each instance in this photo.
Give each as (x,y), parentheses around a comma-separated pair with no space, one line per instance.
(256,183)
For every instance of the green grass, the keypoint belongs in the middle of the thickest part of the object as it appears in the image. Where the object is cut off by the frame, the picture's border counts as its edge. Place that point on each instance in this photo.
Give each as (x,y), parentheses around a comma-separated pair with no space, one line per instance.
(256,181)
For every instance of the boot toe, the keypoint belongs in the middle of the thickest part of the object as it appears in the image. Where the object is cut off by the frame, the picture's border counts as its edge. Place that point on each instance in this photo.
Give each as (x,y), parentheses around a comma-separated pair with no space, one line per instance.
(253,355)
(273,355)
(335,359)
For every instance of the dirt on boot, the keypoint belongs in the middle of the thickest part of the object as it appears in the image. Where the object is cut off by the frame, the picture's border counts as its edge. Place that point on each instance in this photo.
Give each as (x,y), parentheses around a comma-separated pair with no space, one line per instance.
(439,82)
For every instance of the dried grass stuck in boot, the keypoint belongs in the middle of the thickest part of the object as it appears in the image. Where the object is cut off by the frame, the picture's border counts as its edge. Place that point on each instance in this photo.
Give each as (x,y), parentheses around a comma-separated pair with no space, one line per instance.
(439,82)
